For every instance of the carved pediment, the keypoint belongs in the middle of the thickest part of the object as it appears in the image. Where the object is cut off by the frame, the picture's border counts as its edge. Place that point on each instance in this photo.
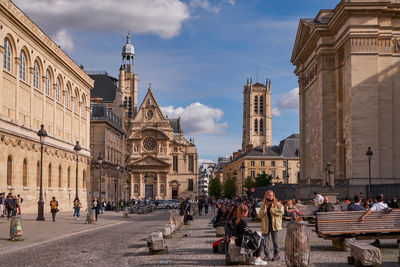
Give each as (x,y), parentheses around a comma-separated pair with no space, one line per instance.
(303,34)
(150,162)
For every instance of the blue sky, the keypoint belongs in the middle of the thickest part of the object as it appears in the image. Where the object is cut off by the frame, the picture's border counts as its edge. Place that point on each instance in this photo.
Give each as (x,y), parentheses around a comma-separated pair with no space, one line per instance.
(196,53)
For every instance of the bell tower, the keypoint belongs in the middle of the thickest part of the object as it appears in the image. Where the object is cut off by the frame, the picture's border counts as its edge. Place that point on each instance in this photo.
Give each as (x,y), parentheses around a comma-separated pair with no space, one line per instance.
(257,115)
(128,79)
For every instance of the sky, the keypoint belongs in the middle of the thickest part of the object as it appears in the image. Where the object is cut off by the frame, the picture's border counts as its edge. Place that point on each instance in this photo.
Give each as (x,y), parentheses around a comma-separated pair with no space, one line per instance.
(197,54)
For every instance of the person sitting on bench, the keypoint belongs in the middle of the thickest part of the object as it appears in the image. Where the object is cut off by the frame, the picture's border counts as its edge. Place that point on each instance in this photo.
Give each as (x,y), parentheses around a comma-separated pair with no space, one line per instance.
(379,205)
(356,206)
(326,206)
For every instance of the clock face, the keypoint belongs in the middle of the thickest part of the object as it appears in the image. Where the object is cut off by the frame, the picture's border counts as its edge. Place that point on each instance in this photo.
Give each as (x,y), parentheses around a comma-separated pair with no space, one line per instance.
(149,114)
(149,143)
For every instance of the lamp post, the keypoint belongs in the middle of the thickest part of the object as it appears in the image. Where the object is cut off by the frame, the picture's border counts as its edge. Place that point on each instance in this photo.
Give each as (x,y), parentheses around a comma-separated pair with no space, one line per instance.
(369,155)
(116,190)
(42,134)
(100,161)
(77,148)
(242,168)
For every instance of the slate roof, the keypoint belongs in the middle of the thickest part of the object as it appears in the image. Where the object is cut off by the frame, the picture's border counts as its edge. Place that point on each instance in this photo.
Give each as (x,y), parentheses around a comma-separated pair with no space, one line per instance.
(104,86)
(288,148)
(175,124)
(221,163)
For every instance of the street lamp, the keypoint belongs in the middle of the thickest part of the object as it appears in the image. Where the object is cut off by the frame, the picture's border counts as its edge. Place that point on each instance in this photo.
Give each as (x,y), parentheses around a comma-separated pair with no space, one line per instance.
(42,134)
(100,161)
(242,168)
(369,155)
(116,190)
(77,148)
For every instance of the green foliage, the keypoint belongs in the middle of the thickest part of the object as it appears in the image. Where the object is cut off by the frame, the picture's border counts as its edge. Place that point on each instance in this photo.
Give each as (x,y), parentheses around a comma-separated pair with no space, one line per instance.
(248,184)
(215,188)
(263,180)
(230,187)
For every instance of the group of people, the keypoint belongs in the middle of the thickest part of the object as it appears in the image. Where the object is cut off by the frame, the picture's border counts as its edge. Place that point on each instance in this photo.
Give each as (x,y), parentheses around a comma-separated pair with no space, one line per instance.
(232,214)
(10,205)
(203,202)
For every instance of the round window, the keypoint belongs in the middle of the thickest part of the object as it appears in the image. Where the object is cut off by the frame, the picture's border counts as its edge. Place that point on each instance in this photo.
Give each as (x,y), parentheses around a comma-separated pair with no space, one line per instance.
(149,143)
(149,114)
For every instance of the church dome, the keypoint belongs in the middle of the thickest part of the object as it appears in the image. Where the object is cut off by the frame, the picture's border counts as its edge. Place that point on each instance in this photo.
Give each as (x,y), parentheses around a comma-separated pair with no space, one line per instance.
(128,48)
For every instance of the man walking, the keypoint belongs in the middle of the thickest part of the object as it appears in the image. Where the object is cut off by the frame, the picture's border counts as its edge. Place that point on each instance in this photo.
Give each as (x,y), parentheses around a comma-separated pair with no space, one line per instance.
(10,206)
(53,208)
(2,204)
(200,205)
(77,208)
(96,207)
(19,202)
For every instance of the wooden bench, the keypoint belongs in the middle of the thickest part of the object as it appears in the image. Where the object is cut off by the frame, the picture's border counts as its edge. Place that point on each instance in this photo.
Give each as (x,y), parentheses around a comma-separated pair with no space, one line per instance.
(308,211)
(338,226)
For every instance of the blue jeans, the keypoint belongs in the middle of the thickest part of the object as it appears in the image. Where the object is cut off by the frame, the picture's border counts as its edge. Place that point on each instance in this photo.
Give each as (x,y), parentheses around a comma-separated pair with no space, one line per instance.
(77,210)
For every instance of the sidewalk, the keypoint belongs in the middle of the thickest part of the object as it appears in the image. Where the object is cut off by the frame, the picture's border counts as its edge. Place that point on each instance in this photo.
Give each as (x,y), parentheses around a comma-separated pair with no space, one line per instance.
(39,232)
(193,247)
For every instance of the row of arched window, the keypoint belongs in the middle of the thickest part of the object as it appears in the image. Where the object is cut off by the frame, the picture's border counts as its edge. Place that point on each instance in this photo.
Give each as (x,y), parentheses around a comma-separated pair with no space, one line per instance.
(258,107)
(50,179)
(49,78)
(261,128)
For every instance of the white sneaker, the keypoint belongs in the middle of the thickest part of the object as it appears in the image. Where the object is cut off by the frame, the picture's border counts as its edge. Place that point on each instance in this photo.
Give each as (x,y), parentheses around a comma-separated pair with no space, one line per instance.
(259,262)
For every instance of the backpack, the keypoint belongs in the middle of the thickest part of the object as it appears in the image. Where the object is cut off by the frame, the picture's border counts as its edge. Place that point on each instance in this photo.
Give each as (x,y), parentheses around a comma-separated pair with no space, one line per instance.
(251,241)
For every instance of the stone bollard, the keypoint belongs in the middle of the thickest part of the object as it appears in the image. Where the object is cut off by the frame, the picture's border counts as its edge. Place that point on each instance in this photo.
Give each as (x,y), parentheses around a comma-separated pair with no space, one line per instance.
(156,244)
(91,217)
(297,247)
(16,228)
(366,255)
(167,231)
(126,212)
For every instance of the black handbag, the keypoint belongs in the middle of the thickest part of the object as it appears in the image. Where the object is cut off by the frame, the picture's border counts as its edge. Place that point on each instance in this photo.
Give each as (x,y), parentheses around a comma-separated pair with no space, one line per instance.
(251,241)
(190,217)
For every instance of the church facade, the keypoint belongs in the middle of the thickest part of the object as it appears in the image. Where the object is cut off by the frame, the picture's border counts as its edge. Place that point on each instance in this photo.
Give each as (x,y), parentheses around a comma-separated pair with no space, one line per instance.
(348,61)
(160,162)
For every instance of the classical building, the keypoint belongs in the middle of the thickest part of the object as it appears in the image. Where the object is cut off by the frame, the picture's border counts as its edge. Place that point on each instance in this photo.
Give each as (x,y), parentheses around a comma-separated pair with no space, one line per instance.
(40,84)
(347,60)
(256,115)
(205,172)
(158,161)
(281,162)
(108,146)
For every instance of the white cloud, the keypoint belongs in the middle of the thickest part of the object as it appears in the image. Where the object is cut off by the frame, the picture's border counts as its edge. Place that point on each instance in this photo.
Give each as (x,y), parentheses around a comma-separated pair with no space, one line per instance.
(201,161)
(198,118)
(232,2)
(161,17)
(276,112)
(63,39)
(290,101)
(205,5)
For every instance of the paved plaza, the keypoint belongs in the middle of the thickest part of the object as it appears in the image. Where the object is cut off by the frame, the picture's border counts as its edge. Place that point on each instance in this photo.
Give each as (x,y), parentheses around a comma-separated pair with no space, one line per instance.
(118,241)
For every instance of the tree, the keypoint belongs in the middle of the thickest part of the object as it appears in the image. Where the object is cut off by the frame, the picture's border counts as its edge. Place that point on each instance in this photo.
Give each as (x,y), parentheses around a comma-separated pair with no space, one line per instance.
(263,180)
(248,184)
(215,187)
(230,187)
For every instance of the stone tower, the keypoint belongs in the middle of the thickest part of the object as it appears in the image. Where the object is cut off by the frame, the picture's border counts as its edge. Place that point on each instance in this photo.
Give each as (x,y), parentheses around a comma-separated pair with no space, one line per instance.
(256,115)
(128,80)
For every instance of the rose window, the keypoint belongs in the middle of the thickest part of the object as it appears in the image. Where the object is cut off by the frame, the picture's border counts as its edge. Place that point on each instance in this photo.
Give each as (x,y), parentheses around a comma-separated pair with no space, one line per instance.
(149,143)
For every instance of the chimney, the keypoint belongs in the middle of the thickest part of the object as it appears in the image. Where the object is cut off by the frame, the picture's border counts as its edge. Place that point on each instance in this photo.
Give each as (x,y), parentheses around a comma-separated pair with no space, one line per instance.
(264,147)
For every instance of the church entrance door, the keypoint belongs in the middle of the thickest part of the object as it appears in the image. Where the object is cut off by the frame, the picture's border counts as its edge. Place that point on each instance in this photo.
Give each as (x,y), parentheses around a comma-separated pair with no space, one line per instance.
(149,191)
(174,193)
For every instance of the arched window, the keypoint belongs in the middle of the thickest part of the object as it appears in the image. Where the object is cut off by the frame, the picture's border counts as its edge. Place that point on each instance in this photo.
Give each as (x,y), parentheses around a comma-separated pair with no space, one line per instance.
(69,177)
(255,125)
(125,102)
(36,75)
(84,179)
(48,82)
(75,101)
(256,104)
(261,105)
(7,55)
(261,126)
(130,107)
(25,173)
(83,107)
(58,90)
(9,170)
(38,174)
(136,189)
(22,66)
(59,176)
(49,176)
(67,96)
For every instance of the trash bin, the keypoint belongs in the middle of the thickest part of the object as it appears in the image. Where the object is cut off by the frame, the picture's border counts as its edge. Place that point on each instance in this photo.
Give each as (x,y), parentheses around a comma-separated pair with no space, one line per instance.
(16,228)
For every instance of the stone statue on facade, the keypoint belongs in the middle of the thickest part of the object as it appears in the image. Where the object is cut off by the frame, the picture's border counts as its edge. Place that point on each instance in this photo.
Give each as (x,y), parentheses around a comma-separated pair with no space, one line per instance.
(329,179)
